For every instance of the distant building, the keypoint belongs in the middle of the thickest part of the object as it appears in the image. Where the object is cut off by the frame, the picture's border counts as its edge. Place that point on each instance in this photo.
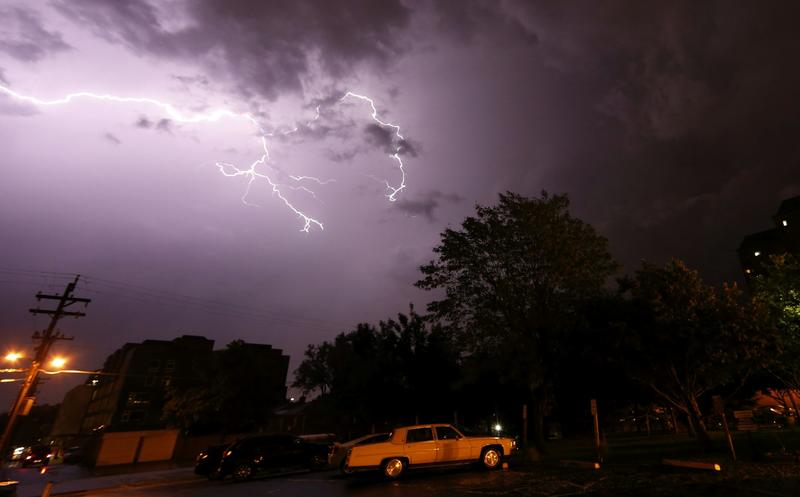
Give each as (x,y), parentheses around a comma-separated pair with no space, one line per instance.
(129,392)
(69,421)
(784,238)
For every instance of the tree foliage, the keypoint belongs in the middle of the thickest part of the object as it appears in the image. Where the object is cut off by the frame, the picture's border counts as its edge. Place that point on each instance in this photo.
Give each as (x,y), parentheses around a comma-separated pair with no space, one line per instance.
(778,289)
(513,278)
(402,367)
(684,338)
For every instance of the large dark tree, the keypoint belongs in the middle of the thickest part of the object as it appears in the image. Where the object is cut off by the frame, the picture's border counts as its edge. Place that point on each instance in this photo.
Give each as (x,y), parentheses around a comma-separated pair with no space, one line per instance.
(684,338)
(513,278)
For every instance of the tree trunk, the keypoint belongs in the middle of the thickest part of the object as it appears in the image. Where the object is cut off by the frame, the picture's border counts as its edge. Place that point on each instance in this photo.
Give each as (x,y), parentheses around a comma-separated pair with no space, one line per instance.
(540,399)
(697,423)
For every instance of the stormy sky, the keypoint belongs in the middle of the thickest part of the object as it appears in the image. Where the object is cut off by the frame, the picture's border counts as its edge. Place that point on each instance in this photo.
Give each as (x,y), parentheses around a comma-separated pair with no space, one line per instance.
(672,125)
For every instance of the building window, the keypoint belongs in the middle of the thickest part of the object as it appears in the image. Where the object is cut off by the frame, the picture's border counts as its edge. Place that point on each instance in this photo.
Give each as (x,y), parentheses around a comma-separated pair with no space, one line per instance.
(138,398)
(137,416)
(154,365)
(126,416)
(150,381)
(785,222)
(169,366)
(756,253)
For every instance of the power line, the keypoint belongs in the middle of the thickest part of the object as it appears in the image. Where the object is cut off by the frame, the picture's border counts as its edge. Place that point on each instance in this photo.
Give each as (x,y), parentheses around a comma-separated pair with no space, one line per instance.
(108,287)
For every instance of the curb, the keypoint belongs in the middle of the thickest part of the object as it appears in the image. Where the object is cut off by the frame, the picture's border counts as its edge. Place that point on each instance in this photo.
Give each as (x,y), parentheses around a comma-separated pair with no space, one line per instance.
(142,485)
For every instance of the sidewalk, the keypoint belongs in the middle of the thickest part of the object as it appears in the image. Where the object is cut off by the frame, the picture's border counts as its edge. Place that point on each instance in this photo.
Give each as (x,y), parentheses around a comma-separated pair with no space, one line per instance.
(74,479)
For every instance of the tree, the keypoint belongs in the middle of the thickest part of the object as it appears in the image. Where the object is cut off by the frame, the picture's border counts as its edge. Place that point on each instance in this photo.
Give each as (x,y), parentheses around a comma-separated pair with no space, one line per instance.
(401,368)
(514,276)
(684,338)
(778,289)
(314,372)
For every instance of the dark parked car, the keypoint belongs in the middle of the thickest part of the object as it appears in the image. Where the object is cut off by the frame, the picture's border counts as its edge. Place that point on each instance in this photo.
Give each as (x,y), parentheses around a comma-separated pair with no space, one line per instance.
(272,453)
(73,455)
(208,460)
(38,454)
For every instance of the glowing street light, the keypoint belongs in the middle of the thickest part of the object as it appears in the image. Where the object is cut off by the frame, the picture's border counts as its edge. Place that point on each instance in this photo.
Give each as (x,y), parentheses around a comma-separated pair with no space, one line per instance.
(13,356)
(58,362)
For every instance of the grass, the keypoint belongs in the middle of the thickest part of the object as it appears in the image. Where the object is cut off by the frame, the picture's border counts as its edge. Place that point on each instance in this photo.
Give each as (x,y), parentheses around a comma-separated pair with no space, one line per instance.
(755,446)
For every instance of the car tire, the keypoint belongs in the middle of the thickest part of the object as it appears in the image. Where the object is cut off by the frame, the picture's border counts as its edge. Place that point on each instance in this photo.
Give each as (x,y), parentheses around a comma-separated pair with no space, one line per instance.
(215,474)
(317,462)
(393,468)
(344,469)
(491,458)
(242,472)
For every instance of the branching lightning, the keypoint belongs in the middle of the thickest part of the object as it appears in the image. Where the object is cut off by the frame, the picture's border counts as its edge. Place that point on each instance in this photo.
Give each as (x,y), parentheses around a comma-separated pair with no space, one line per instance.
(393,190)
(256,170)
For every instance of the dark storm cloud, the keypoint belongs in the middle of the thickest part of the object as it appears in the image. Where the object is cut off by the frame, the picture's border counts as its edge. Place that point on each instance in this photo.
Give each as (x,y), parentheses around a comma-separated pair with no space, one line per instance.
(111,138)
(191,81)
(468,19)
(385,139)
(163,125)
(265,47)
(426,204)
(24,37)
(670,103)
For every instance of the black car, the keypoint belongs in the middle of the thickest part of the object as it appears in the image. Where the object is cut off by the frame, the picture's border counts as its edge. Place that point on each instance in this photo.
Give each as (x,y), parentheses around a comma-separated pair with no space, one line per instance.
(208,460)
(271,453)
(38,454)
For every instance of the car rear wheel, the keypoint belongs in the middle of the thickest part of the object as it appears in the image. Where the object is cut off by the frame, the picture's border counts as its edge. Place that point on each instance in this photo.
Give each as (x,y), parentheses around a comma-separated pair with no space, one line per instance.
(393,468)
(243,472)
(318,462)
(490,458)
(344,468)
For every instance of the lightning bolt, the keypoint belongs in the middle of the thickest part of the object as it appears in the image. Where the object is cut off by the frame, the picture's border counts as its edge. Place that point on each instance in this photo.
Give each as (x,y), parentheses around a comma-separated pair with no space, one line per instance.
(393,190)
(251,173)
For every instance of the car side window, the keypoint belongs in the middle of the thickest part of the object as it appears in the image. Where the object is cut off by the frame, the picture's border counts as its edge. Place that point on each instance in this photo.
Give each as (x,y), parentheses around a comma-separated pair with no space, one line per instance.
(419,435)
(446,433)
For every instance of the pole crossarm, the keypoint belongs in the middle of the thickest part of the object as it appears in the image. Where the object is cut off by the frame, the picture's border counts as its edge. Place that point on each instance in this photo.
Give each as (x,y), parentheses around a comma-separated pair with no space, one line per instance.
(56,312)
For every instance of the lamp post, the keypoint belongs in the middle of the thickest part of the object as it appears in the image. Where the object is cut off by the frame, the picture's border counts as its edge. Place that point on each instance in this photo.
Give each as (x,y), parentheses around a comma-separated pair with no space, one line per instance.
(23,399)
(46,339)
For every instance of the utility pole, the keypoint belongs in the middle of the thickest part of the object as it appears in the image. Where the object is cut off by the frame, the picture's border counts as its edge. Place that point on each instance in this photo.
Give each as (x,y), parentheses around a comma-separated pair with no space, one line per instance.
(46,339)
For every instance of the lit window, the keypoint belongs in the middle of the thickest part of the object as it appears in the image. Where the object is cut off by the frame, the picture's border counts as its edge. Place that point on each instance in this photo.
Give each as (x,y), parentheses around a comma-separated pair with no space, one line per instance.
(756,253)
(785,222)
(748,271)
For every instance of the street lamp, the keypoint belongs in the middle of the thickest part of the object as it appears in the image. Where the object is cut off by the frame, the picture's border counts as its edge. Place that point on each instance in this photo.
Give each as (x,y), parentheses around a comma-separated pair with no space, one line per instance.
(58,362)
(13,356)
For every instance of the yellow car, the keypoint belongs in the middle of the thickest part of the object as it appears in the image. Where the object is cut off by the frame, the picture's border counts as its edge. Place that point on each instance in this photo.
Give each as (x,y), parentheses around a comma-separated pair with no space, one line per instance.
(427,445)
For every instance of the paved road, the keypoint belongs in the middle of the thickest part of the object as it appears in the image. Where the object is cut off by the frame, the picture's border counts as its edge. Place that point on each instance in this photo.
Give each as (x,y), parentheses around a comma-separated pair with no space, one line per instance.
(452,482)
